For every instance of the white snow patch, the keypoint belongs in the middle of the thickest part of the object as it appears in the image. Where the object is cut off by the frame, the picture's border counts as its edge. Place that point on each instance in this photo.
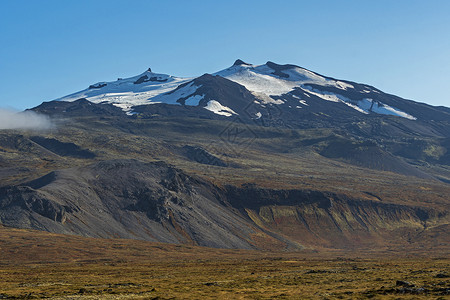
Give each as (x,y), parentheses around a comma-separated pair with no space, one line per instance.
(126,107)
(303,102)
(323,94)
(259,82)
(365,104)
(219,109)
(381,108)
(305,76)
(369,105)
(258,115)
(356,107)
(194,100)
(343,85)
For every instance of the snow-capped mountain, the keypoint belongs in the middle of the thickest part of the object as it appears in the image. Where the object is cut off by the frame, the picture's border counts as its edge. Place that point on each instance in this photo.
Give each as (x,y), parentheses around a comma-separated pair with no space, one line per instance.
(256,137)
(269,80)
(251,91)
(129,92)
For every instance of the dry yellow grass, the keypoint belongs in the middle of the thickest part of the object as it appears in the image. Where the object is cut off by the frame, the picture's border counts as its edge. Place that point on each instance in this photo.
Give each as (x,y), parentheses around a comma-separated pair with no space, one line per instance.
(41,265)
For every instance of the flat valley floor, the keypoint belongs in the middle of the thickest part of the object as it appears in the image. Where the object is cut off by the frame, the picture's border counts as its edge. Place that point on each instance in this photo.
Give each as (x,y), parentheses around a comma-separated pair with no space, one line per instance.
(37,264)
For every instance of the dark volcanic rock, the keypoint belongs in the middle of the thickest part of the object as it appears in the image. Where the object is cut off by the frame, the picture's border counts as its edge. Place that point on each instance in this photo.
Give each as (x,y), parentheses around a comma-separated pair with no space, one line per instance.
(97,86)
(167,110)
(80,107)
(145,78)
(141,79)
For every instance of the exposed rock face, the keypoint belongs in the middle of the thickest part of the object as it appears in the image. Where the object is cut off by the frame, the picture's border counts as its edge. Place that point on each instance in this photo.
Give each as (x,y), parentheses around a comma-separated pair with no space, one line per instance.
(24,199)
(327,219)
(156,202)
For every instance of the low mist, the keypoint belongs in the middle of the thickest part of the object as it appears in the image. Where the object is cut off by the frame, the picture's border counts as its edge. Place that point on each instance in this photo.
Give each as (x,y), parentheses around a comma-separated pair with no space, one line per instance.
(10,119)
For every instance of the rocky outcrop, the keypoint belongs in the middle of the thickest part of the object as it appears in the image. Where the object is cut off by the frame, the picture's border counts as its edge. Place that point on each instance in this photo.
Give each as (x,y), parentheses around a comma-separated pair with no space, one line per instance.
(329,219)
(97,85)
(145,78)
(23,202)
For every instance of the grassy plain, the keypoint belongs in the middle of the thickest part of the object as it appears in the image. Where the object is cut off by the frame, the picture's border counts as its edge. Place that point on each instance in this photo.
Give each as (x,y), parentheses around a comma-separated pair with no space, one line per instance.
(42,265)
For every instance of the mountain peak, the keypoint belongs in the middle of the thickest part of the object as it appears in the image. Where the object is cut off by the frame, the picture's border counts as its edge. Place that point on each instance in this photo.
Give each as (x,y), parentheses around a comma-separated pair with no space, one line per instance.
(239,62)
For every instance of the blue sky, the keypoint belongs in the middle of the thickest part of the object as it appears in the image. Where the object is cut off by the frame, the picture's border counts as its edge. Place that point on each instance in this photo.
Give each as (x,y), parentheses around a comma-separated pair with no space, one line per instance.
(51,48)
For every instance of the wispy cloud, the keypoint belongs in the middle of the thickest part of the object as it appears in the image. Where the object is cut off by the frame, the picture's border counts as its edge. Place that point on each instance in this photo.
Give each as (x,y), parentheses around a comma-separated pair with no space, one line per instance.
(10,119)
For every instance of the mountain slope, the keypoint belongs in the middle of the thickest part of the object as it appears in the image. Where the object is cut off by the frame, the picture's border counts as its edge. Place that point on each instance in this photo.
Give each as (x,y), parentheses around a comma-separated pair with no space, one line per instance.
(125,199)
(156,202)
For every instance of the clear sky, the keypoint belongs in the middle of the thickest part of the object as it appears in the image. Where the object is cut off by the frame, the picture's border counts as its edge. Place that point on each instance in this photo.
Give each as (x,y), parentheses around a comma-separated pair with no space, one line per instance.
(51,48)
